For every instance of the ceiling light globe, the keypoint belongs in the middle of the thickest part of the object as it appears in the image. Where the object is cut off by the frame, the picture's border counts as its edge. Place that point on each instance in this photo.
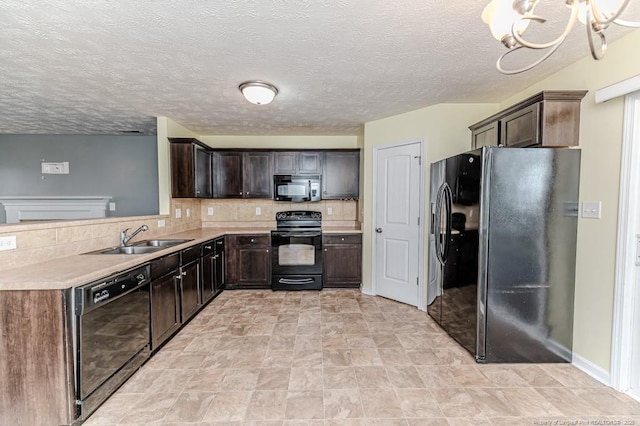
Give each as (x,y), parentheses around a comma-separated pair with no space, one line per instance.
(258,92)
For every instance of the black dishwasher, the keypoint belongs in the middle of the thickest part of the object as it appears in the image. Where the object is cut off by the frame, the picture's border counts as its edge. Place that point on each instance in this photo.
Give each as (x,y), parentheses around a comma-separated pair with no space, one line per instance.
(111,338)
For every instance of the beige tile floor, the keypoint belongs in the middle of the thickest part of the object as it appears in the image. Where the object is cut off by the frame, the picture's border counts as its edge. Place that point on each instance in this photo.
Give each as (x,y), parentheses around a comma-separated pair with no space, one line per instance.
(342,358)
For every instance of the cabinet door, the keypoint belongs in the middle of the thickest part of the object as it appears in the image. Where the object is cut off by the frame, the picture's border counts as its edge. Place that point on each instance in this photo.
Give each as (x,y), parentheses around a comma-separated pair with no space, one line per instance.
(189,290)
(309,162)
(208,277)
(285,163)
(258,175)
(341,174)
(182,170)
(342,261)
(203,178)
(220,262)
(521,128)
(219,278)
(228,175)
(248,261)
(485,136)
(165,309)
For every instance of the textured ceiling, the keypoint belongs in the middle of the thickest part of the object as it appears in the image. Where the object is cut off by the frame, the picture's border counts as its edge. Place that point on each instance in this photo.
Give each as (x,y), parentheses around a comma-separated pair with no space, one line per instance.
(77,66)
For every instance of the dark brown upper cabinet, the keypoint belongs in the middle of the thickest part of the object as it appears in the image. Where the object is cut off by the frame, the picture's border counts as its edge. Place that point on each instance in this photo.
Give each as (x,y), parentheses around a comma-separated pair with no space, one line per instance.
(549,118)
(191,173)
(341,175)
(297,162)
(241,174)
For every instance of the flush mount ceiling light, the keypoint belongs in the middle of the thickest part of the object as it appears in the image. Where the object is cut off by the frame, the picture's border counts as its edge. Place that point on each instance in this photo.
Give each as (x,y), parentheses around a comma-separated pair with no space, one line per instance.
(258,92)
(508,19)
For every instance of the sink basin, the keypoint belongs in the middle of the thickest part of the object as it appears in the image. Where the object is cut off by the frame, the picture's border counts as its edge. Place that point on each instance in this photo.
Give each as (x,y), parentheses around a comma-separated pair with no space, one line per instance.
(160,243)
(131,250)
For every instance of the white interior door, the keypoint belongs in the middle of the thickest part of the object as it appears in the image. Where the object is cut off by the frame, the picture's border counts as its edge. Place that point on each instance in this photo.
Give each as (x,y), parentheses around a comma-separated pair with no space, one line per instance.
(397,230)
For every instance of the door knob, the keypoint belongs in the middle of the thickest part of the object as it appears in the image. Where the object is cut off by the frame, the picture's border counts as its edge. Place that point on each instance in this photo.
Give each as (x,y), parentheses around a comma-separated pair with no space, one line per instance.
(379,230)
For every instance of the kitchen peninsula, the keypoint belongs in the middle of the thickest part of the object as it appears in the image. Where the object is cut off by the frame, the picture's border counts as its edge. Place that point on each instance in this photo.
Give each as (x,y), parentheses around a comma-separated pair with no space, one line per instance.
(38,355)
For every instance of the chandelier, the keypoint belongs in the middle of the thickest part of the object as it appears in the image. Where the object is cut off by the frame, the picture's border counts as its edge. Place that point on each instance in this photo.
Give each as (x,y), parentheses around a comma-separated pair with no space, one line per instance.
(508,19)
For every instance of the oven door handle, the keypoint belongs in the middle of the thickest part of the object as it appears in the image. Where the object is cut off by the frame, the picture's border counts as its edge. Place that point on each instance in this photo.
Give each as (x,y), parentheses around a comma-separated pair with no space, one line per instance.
(295,281)
(318,234)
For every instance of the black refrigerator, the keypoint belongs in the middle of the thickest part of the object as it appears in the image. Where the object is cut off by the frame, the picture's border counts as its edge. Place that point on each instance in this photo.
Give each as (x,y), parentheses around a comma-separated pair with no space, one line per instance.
(502,250)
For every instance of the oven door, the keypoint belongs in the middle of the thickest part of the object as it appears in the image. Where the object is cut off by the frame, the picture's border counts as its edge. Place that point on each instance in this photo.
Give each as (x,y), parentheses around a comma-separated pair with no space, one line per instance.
(296,252)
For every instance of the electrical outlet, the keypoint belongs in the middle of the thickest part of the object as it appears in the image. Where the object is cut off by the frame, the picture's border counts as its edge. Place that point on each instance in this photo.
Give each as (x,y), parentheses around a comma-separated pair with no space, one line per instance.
(112,206)
(178,213)
(188,212)
(329,210)
(258,211)
(210,211)
(8,243)
(161,223)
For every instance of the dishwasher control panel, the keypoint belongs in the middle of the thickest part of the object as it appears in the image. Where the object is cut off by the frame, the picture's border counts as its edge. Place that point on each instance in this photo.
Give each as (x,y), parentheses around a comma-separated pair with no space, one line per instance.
(91,295)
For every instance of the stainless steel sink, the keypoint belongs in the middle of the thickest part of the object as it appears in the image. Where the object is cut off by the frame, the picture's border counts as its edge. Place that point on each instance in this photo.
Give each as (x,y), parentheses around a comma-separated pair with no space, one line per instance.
(161,243)
(130,250)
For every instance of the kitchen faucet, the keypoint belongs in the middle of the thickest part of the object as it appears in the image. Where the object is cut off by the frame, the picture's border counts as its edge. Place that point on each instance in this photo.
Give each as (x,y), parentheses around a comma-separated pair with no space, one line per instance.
(124,239)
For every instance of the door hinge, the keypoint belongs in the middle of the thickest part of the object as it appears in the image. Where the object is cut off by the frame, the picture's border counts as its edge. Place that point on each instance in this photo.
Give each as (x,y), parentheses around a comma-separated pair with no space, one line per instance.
(419,159)
(418,221)
(417,280)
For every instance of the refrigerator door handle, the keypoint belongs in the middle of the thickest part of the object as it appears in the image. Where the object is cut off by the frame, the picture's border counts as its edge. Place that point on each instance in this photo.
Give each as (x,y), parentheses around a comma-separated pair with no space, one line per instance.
(437,223)
(447,200)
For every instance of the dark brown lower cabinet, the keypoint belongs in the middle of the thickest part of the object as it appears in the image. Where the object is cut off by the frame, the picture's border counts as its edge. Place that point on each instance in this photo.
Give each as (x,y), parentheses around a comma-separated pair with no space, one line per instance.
(212,266)
(165,298)
(342,260)
(189,290)
(36,358)
(248,261)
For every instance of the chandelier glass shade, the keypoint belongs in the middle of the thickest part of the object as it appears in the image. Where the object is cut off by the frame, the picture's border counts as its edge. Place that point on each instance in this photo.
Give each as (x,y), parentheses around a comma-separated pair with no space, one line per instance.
(258,92)
(508,20)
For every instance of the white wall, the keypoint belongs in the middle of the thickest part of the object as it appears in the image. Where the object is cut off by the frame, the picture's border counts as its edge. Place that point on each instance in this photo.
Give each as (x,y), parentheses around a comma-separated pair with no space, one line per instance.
(444,129)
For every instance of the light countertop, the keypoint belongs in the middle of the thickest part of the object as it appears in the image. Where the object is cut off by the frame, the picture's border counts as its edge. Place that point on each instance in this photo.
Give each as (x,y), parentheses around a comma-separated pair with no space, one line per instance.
(72,271)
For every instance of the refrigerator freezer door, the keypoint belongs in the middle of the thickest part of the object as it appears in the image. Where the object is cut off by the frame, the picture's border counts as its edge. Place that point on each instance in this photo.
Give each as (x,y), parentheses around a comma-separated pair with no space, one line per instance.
(530,254)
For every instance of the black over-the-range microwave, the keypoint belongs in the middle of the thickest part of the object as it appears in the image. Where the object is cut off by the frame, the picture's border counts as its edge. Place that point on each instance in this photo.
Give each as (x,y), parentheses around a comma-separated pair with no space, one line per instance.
(296,188)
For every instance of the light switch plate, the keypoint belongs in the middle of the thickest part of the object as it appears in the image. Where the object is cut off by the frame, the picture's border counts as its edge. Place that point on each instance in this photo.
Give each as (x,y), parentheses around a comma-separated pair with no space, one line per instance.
(112,206)
(188,212)
(178,213)
(258,211)
(8,243)
(161,223)
(329,210)
(591,209)
(210,211)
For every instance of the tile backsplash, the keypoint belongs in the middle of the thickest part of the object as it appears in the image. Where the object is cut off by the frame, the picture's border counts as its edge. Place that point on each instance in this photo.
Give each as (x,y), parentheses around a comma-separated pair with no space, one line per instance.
(42,241)
(261,212)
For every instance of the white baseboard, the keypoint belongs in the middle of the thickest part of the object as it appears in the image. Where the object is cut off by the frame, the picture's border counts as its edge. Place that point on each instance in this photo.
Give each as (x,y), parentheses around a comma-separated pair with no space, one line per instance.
(366,291)
(591,369)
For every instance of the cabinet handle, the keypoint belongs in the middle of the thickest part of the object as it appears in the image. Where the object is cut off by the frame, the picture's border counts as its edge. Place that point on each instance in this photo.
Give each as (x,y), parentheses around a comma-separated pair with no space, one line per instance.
(240,192)
(178,277)
(247,193)
(183,274)
(267,251)
(252,240)
(341,239)
(325,249)
(207,247)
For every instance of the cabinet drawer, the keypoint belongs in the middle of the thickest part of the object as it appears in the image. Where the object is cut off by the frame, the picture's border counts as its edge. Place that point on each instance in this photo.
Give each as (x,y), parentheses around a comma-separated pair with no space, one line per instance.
(342,239)
(257,240)
(164,265)
(207,248)
(190,254)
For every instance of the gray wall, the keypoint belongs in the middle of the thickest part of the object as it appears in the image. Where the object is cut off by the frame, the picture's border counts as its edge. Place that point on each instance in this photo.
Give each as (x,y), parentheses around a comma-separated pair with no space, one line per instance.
(123,167)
